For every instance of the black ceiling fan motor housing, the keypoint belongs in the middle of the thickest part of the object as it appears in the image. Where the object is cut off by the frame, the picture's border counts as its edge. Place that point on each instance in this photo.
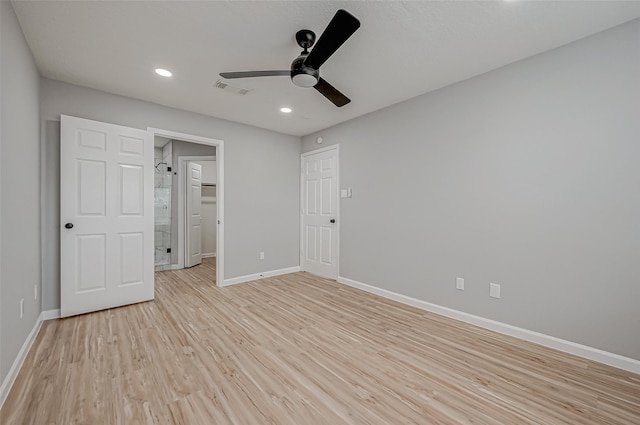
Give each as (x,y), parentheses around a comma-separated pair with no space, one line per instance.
(298,67)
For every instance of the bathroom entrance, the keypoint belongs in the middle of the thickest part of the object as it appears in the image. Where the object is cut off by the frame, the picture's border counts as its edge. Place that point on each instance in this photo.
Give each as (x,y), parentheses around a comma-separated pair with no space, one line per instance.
(176,233)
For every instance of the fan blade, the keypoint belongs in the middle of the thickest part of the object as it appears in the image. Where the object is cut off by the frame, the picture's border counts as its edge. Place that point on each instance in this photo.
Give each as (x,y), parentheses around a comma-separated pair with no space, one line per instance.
(341,27)
(248,74)
(331,93)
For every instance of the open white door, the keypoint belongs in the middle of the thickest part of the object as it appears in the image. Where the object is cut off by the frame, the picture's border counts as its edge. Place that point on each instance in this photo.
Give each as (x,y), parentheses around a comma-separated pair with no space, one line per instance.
(319,247)
(194,214)
(106,211)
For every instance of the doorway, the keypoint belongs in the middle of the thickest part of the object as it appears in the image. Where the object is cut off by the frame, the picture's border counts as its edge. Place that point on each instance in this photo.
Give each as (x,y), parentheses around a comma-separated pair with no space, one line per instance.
(173,148)
(197,209)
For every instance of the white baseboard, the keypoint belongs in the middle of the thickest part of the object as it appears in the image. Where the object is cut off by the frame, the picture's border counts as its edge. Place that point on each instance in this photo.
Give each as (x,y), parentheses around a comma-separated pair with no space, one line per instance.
(208,255)
(50,314)
(256,276)
(22,354)
(17,363)
(580,350)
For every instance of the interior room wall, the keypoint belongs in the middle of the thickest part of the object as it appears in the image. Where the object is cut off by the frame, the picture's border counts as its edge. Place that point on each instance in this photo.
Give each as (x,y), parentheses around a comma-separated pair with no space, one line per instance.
(19,191)
(2,374)
(249,151)
(526,176)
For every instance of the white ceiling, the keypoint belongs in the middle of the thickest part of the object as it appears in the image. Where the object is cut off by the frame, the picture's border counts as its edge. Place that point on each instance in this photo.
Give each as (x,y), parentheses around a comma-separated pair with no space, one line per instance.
(402,49)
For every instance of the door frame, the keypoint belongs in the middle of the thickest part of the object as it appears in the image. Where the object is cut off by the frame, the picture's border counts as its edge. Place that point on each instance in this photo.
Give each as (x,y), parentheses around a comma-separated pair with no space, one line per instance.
(182,205)
(219,158)
(335,147)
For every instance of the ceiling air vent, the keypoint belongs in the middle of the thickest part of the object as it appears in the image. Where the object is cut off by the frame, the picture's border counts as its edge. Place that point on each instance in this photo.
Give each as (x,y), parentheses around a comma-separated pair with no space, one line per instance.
(232,89)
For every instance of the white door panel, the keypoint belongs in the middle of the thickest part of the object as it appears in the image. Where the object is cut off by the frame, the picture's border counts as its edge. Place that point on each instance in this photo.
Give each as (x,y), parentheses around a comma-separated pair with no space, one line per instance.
(131,259)
(194,215)
(131,190)
(92,270)
(106,193)
(319,213)
(326,244)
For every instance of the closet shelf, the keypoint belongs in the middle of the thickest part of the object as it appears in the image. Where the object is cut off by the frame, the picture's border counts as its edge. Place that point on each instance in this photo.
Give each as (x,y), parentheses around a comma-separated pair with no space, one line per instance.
(209,184)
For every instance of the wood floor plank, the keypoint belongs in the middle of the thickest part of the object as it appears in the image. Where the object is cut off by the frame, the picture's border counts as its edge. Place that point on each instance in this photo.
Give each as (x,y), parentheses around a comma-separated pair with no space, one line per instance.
(297,349)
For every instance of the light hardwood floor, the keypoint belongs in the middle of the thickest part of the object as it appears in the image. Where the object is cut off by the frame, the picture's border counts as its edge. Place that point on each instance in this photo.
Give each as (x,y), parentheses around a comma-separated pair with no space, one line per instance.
(298,349)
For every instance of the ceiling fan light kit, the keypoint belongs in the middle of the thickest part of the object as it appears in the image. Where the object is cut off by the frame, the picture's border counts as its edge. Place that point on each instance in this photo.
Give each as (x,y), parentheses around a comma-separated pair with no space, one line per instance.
(305,69)
(305,79)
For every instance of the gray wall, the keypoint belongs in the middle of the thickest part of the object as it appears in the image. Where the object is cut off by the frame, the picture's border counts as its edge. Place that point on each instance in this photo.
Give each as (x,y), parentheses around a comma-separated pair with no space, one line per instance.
(526,176)
(261,177)
(20,190)
(181,148)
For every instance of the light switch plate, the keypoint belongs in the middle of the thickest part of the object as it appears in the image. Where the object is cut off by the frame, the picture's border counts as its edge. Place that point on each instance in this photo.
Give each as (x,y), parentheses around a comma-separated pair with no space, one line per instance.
(343,193)
(494,290)
(460,283)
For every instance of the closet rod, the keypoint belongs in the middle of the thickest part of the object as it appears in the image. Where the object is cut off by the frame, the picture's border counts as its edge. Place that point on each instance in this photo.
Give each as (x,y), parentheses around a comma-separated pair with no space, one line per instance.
(209,184)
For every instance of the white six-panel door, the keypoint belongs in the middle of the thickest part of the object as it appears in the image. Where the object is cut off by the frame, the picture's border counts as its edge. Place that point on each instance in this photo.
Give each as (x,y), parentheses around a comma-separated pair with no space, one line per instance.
(319,247)
(194,214)
(106,211)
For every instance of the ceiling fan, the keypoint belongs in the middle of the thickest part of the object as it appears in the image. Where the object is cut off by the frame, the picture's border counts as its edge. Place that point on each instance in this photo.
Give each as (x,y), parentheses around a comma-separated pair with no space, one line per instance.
(305,69)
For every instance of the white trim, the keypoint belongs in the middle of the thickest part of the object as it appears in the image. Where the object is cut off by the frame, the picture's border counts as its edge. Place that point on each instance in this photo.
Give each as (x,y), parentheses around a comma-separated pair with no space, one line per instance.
(182,205)
(257,276)
(320,150)
(576,349)
(50,314)
(184,137)
(339,221)
(219,144)
(17,363)
(208,255)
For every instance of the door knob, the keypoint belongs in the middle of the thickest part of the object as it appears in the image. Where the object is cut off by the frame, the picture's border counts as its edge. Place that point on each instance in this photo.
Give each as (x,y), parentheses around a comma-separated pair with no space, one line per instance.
(68,226)
(333,220)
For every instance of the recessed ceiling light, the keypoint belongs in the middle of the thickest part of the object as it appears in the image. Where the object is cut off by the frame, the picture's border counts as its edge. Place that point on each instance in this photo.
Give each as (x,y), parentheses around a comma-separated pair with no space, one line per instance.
(163,72)
(286,110)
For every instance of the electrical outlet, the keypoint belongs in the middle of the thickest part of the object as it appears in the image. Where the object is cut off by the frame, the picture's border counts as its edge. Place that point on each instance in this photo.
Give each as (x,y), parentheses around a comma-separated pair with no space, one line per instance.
(21,308)
(35,292)
(494,290)
(262,255)
(459,283)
